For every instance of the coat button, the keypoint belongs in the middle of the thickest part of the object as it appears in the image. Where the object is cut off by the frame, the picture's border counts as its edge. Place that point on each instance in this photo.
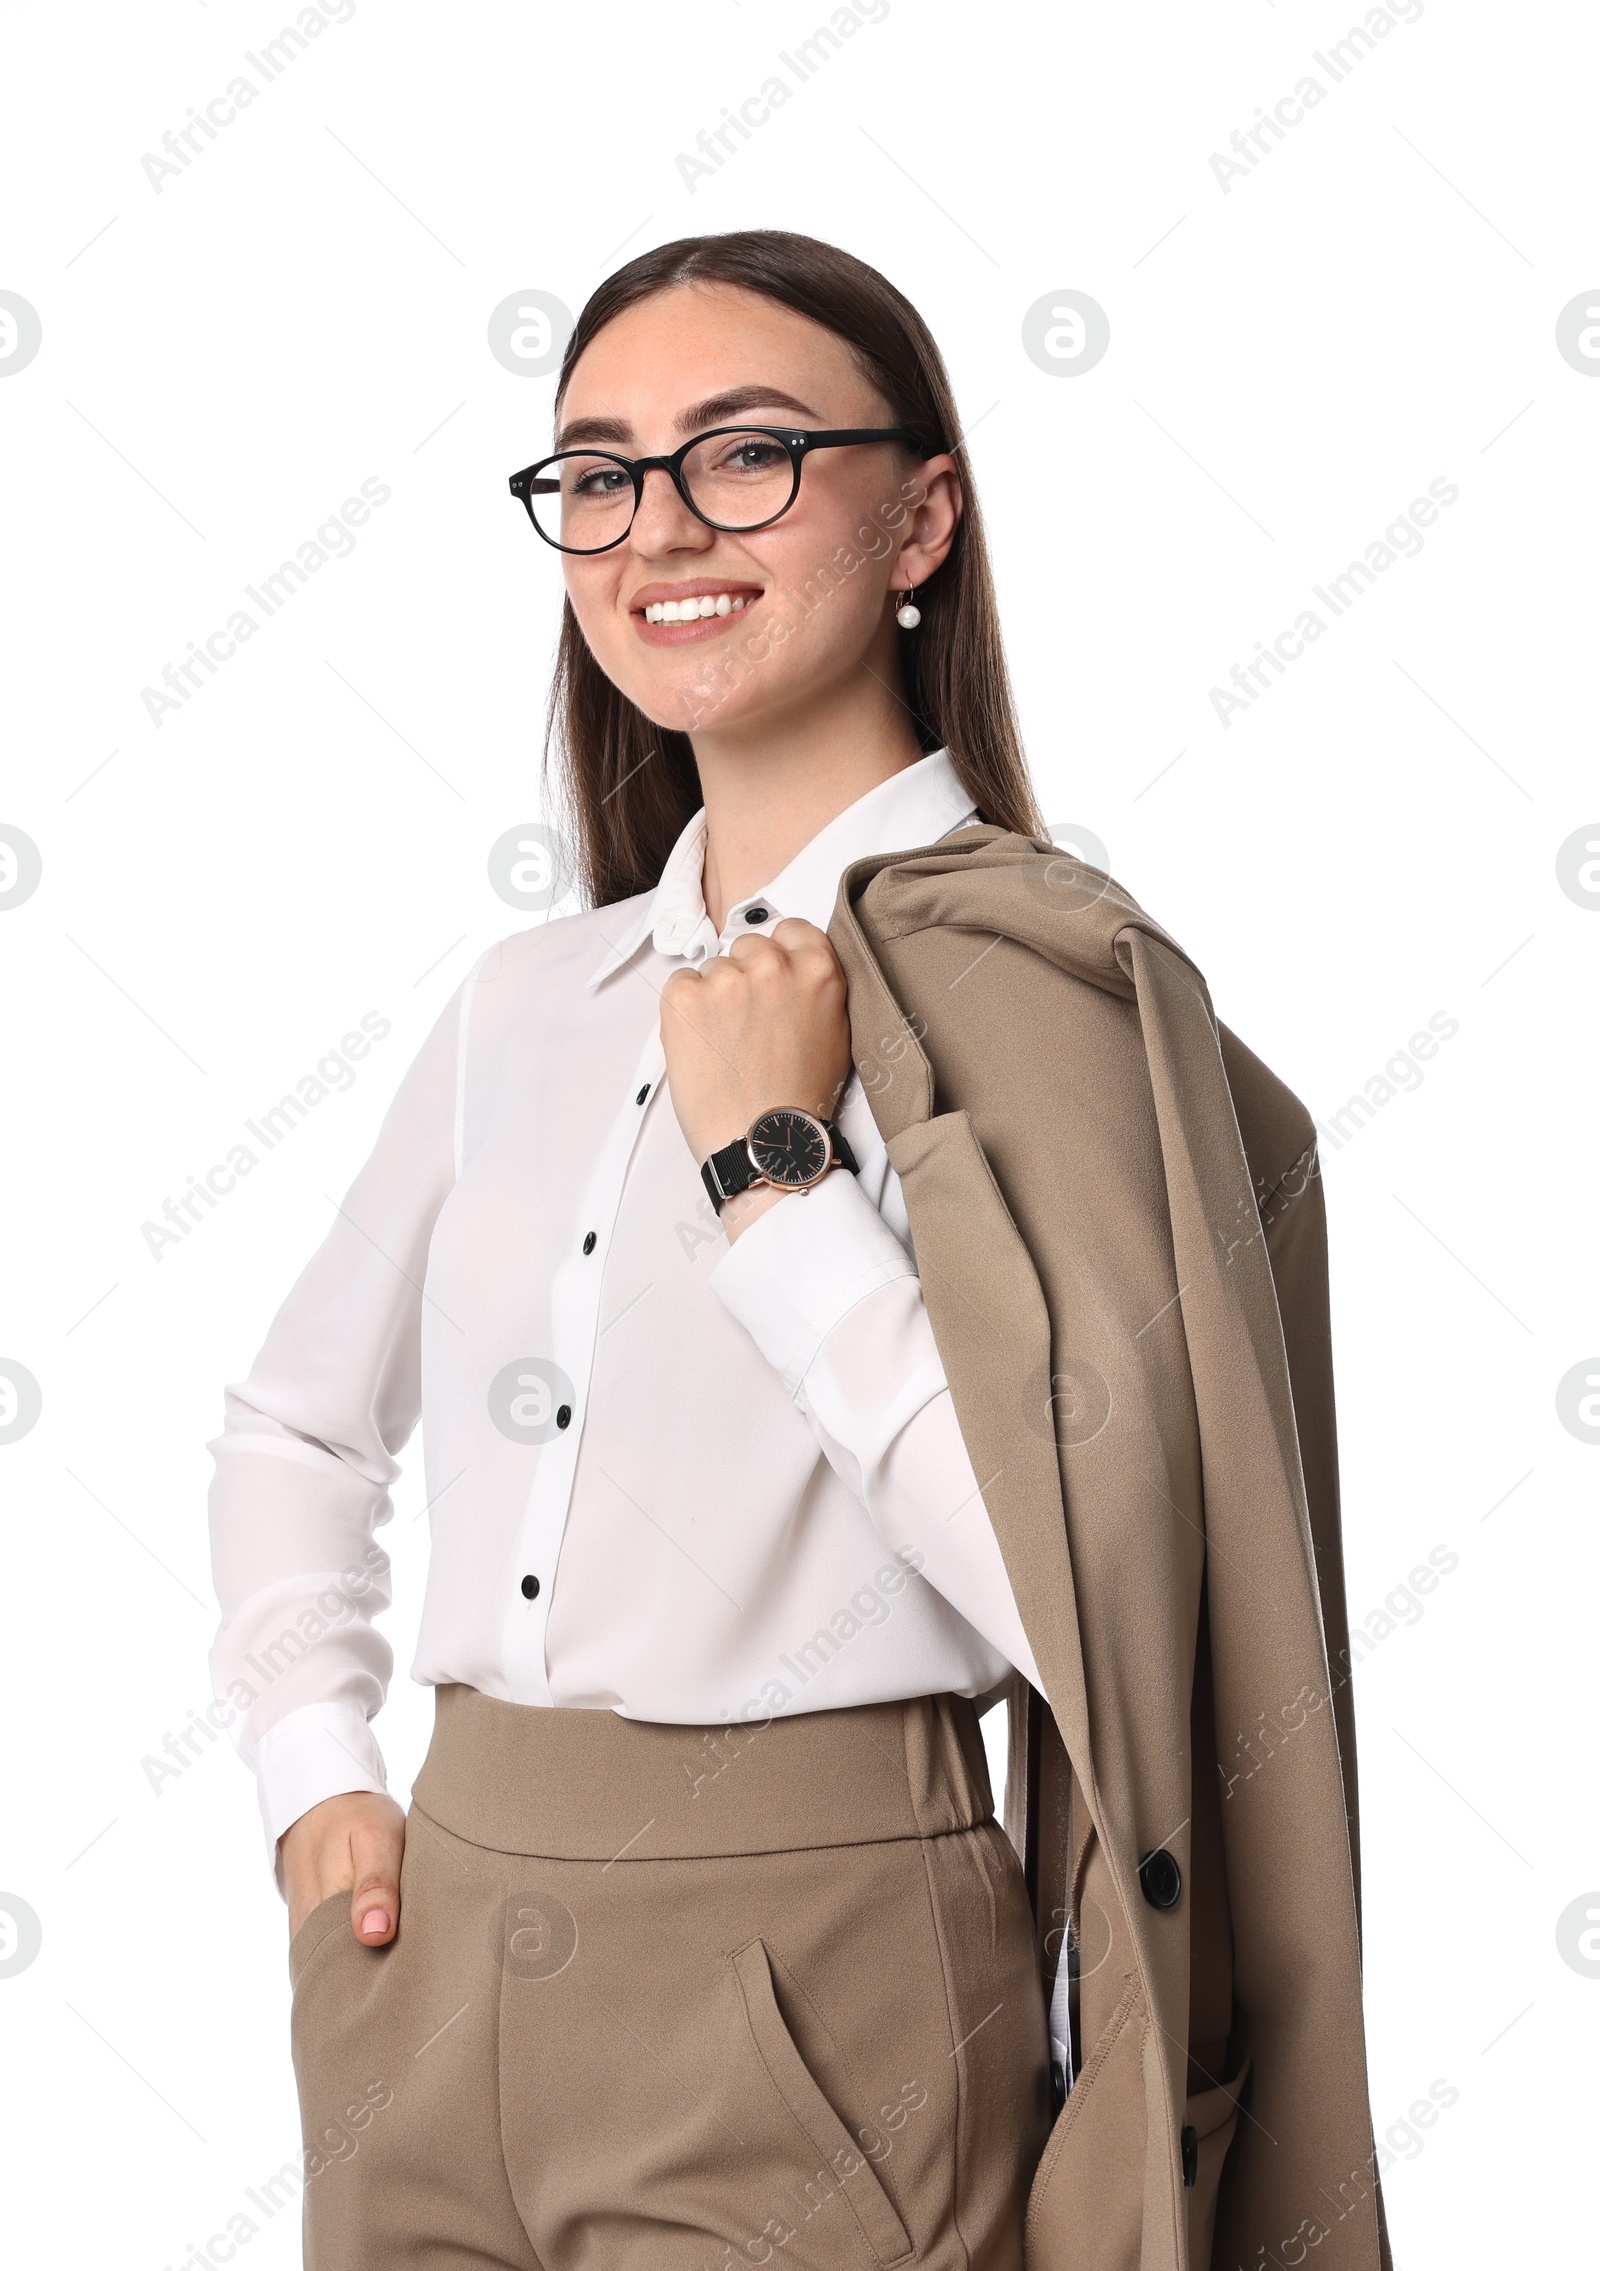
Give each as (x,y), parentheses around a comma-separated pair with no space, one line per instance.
(564,1419)
(530,1588)
(1160,1879)
(755,914)
(588,1243)
(643,1093)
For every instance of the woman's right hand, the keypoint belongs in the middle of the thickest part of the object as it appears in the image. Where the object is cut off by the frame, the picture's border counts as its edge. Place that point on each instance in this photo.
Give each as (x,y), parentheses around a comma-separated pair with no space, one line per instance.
(352,1843)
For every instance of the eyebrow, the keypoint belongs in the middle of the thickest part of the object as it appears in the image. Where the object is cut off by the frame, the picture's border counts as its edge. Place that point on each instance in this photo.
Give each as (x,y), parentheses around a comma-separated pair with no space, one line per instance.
(716,410)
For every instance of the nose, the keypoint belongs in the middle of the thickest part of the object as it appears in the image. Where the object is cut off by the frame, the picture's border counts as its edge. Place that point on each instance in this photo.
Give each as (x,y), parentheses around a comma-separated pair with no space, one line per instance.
(662,521)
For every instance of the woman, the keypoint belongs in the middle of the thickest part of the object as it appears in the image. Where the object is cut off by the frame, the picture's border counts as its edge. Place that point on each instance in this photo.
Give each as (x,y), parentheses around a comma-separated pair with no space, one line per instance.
(700,1942)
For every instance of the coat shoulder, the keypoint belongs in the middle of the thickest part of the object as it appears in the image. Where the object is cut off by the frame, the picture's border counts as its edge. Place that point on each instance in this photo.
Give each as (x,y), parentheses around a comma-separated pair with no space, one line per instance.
(984,878)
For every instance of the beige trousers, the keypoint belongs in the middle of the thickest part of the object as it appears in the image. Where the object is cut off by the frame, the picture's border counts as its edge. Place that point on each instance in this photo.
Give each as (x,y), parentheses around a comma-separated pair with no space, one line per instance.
(680,1999)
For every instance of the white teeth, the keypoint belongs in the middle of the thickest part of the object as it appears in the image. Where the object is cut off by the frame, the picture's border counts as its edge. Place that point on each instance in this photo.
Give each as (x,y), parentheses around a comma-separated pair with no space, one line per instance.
(691,610)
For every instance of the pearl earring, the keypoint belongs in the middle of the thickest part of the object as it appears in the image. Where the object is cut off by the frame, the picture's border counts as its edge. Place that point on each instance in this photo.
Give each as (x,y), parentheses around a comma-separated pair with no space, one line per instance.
(907,616)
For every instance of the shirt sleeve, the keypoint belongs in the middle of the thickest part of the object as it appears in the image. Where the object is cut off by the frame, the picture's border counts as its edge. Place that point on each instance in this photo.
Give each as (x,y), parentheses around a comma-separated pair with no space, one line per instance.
(831,1298)
(305,1460)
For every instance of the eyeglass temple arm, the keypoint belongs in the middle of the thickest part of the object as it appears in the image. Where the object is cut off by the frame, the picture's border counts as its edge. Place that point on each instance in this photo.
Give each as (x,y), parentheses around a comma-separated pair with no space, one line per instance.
(839,437)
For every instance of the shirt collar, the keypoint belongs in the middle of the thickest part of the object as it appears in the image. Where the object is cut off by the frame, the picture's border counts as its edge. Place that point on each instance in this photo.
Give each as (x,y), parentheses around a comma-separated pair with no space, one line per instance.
(917,805)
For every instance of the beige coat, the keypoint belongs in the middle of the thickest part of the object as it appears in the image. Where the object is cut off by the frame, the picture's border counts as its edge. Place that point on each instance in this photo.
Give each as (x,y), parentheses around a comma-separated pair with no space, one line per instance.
(1119,1224)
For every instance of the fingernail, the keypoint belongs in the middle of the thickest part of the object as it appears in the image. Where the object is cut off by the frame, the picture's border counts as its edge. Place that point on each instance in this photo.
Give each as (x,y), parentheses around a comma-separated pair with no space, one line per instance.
(375,1920)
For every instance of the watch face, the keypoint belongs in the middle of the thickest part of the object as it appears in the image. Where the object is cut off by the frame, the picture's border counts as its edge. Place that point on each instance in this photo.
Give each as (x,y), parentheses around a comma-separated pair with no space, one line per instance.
(790,1149)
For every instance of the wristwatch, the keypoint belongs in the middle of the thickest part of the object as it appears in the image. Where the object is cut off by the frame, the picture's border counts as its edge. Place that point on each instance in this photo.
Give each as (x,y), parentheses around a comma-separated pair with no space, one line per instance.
(790,1149)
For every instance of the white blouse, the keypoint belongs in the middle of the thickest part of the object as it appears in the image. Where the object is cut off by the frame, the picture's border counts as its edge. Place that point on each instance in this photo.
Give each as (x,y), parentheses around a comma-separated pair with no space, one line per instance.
(666,1477)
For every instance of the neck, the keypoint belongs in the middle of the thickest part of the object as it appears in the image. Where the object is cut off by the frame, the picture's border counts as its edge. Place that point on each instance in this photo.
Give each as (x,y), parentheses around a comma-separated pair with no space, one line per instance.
(769,788)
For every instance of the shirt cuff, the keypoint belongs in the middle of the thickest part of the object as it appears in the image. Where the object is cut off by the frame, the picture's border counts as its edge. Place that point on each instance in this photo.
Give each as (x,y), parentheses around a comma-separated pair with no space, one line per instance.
(802,1266)
(317,1752)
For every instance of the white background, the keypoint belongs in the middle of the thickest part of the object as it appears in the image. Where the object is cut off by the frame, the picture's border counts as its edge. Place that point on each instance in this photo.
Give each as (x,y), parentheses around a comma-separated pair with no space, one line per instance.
(1292,360)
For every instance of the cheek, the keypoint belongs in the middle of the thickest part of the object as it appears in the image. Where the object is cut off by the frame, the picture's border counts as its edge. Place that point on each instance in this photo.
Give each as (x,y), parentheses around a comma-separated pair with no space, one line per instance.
(594,596)
(830,587)
(587,593)
(846,609)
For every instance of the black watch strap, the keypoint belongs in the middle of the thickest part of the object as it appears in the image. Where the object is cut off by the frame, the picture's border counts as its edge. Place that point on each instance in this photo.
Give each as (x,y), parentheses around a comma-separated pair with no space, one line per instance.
(731,1171)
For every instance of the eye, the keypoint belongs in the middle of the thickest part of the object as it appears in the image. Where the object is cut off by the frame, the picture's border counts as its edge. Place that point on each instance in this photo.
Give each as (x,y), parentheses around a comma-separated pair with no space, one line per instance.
(600,481)
(754,453)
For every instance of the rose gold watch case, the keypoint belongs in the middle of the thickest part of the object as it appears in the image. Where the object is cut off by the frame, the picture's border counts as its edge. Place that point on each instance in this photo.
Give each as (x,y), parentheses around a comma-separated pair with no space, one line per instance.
(793,1112)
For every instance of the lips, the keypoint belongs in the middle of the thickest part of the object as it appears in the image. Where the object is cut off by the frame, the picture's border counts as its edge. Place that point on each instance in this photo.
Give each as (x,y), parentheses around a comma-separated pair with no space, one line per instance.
(674,614)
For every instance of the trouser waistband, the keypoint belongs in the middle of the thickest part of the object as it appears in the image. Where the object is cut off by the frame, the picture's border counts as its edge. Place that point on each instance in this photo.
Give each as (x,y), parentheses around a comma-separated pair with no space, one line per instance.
(592,1786)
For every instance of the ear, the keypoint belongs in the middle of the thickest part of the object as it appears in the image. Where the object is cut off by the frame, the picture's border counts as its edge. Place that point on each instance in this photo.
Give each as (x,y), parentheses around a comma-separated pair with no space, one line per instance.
(935,501)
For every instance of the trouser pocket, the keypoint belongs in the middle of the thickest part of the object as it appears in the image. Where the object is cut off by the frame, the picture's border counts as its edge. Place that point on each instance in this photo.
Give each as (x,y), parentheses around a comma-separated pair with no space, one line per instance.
(835,2151)
(314,1928)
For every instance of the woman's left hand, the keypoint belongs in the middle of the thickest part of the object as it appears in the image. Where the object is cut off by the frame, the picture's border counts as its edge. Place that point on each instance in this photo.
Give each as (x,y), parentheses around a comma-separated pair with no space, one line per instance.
(760,1026)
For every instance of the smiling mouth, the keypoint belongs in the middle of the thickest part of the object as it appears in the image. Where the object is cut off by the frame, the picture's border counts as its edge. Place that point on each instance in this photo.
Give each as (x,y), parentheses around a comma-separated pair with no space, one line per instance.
(692,610)
(676,618)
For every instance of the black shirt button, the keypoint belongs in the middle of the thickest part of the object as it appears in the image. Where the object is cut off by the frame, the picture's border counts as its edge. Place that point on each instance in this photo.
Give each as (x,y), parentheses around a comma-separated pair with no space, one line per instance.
(530,1588)
(588,1243)
(564,1419)
(755,914)
(1160,1879)
(643,1093)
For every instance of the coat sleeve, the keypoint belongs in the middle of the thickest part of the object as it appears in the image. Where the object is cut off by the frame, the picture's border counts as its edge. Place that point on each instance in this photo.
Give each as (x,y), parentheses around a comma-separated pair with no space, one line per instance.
(1295,1224)
(1294,1219)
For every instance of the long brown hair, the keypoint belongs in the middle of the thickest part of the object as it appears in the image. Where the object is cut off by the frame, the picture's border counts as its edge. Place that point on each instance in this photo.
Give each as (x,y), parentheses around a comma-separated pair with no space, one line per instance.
(628,786)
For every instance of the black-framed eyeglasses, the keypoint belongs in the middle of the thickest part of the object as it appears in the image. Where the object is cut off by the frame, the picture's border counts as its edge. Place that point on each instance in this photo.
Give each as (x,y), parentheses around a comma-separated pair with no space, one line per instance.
(733,478)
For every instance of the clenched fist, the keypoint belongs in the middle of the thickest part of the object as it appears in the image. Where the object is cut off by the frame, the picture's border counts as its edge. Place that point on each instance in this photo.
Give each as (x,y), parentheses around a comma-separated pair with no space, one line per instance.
(760,1026)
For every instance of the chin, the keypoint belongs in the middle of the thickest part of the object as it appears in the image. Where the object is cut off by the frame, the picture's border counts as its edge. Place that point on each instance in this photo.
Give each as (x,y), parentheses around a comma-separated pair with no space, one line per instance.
(691,702)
